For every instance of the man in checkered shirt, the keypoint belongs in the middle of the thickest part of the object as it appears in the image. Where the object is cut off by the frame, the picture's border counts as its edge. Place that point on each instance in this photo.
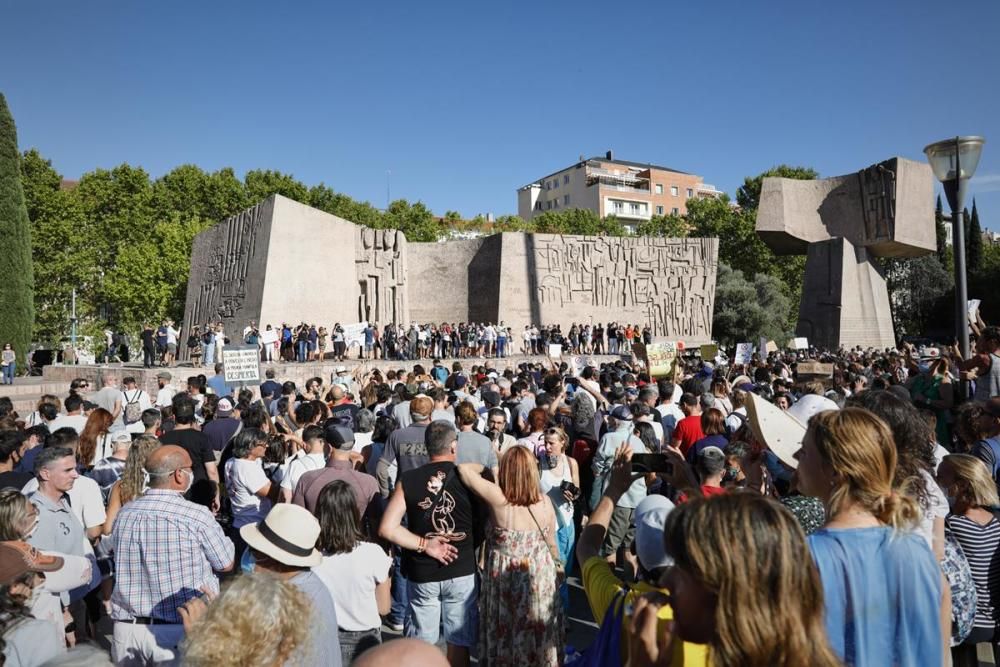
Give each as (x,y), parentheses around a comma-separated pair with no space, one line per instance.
(167,550)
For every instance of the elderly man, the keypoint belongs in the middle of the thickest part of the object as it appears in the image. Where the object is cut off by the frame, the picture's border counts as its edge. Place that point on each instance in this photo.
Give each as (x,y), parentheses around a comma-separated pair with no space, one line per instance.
(167,550)
(621,528)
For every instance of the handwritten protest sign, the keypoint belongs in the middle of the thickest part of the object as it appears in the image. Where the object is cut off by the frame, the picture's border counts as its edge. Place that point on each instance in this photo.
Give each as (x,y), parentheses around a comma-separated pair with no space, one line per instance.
(744,353)
(354,334)
(660,358)
(241,364)
(800,343)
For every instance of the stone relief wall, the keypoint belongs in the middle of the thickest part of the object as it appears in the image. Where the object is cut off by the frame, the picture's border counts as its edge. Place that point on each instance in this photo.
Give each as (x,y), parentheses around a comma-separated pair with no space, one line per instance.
(225,260)
(380,264)
(669,283)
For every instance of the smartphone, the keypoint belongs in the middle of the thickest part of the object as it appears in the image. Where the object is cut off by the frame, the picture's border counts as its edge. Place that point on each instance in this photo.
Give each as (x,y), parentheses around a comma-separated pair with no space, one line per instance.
(652,463)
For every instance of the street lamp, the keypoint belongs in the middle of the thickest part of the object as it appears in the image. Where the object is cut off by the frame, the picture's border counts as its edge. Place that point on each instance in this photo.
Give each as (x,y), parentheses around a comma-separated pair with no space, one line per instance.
(953,162)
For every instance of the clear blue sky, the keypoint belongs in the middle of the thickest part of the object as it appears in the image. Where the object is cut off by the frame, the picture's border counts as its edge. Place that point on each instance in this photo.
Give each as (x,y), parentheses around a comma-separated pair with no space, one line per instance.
(466,101)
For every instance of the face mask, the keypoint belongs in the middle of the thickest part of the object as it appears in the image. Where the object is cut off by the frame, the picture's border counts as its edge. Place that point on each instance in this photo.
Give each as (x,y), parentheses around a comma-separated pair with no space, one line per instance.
(248,562)
(190,475)
(924,367)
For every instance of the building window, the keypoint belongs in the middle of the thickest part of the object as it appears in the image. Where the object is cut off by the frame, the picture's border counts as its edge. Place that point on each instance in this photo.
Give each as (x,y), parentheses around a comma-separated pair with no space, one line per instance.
(555,204)
(548,205)
(659,188)
(565,200)
(619,206)
(690,193)
(565,179)
(675,211)
(673,190)
(538,205)
(555,184)
(634,208)
(659,210)
(546,185)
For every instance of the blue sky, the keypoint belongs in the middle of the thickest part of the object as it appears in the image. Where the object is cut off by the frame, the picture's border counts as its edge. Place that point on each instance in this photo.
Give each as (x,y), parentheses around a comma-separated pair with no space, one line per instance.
(466,101)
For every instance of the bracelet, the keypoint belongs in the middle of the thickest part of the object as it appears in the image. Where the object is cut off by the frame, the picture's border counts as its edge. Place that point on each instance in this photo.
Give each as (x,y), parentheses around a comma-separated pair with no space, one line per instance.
(422,545)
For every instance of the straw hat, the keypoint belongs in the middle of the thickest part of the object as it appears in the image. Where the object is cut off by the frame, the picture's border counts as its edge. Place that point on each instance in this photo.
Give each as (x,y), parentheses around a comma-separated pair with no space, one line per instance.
(783,431)
(287,534)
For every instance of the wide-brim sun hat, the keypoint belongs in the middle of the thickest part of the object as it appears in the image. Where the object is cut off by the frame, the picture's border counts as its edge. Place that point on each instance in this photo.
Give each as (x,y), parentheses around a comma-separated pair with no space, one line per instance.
(783,431)
(287,534)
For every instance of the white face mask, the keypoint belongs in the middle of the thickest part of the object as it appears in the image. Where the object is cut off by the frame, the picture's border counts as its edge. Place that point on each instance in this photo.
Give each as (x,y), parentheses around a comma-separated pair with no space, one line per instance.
(190,476)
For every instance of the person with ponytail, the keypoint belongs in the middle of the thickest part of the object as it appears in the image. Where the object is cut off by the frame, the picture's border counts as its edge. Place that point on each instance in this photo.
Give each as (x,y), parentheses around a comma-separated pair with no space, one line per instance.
(881,582)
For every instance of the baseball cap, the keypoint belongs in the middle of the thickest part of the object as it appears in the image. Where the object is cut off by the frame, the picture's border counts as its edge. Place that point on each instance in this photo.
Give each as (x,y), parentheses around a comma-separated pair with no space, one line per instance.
(491,398)
(18,558)
(339,436)
(421,406)
(460,381)
(650,517)
(224,407)
(621,413)
(163,375)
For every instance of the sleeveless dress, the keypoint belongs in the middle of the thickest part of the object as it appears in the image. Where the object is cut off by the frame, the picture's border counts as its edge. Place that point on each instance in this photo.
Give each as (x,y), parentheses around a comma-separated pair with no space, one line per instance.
(988,386)
(520,614)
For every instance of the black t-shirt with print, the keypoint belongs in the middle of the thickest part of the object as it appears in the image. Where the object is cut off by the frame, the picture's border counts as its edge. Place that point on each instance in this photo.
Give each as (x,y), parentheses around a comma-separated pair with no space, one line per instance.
(452,517)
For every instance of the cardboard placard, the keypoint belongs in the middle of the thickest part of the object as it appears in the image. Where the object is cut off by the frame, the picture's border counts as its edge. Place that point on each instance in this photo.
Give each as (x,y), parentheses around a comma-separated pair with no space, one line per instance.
(241,364)
(771,346)
(744,353)
(555,351)
(268,336)
(800,343)
(354,334)
(709,352)
(814,369)
(661,359)
(974,310)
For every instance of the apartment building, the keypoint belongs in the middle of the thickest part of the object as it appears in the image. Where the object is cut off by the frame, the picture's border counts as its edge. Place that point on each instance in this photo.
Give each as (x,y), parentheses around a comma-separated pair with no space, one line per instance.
(632,191)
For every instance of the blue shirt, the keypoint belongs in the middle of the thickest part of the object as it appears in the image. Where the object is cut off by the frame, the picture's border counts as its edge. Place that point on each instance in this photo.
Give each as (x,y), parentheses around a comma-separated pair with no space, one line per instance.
(882,590)
(217,384)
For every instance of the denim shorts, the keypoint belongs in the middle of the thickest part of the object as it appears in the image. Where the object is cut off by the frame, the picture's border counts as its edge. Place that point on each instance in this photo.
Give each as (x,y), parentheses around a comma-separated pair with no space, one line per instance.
(452,604)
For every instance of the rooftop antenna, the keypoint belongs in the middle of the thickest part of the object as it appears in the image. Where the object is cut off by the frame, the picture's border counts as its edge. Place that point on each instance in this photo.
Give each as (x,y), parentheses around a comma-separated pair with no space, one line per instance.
(388,192)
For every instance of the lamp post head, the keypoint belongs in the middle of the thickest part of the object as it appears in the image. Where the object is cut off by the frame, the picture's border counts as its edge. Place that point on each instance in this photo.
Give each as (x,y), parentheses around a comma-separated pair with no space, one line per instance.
(954,162)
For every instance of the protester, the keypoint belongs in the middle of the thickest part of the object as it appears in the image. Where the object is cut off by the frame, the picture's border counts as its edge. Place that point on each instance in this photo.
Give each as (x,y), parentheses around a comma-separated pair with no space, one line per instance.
(251,493)
(95,439)
(132,482)
(25,640)
(882,586)
(438,545)
(283,545)
(257,621)
(355,571)
(520,613)
(560,481)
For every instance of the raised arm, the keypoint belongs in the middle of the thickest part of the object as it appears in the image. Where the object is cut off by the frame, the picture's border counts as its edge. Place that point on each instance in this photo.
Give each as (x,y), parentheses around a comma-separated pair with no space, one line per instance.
(471,475)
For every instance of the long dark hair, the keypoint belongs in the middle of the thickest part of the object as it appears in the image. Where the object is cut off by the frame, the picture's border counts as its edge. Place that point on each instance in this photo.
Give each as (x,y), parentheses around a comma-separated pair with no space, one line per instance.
(339,521)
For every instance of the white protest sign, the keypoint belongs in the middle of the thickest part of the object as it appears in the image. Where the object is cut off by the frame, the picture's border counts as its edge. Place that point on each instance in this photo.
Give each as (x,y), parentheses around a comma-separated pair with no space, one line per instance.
(241,364)
(354,334)
(974,310)
(800,343)
(555,350)
(763,347)
(269,336)
(744,353)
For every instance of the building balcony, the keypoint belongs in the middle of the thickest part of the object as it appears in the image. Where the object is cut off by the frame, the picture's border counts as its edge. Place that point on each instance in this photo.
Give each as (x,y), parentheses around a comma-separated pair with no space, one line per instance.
(707,190)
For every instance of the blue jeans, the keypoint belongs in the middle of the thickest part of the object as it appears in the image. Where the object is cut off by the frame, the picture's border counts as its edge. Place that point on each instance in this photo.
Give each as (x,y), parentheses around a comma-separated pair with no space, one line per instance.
(565,537)
(501,344)
(451,604)
(8,372)
(209,352)
(302,347)
(400,599)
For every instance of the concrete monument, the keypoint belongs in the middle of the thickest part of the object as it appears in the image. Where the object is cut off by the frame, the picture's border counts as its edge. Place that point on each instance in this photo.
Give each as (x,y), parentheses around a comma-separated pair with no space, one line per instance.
(282,261)
(841,224)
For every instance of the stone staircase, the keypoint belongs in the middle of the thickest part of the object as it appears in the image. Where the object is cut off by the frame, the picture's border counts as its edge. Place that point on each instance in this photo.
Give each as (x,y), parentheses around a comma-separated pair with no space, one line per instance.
(26,391)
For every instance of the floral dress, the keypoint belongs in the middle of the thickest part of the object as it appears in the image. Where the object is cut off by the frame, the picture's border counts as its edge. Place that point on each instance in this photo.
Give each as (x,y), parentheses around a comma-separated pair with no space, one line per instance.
(520,613)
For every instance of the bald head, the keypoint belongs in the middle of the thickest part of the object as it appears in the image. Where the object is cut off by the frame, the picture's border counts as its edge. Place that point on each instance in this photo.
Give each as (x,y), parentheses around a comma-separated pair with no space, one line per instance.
(337,392)
(410,652)
(162,465)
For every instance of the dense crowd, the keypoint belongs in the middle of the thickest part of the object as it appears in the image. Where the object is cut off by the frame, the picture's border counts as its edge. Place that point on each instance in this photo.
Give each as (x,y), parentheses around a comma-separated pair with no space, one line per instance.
(308,342)
(761,514)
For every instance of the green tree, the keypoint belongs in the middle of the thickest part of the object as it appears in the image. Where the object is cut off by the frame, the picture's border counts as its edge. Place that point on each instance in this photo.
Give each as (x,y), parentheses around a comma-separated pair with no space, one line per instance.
(361,213)
(63,257)
(974,242)
(17,305)
(667,226)
(941,233)
(261,184)
(746,310)
(512,223)
(193,193)
(415,221)
(149,280)
(915,287)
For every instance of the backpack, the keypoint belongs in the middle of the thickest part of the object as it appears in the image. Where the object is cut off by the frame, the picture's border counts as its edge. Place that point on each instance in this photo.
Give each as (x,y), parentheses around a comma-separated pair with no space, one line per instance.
(207,338)
(963,588)
(133,411)
(730,432)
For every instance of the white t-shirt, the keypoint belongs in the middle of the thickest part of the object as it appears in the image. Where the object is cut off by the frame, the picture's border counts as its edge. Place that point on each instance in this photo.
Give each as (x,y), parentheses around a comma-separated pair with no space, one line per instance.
(165,396)
(301,466)
(75,422)
(362,440)
(172,334)
(351,579)
(244,479)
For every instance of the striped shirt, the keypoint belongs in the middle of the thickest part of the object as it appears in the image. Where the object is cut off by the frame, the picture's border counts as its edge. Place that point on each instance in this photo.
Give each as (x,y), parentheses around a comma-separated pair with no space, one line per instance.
(980,544)
(166,549)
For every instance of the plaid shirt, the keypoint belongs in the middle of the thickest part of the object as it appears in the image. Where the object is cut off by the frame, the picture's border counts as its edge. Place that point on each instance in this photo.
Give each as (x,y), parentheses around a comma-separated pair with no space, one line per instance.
(166,549)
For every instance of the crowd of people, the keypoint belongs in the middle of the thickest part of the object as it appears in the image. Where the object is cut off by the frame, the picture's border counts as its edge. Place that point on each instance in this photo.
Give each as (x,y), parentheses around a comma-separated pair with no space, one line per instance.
(308,342)
(725,515)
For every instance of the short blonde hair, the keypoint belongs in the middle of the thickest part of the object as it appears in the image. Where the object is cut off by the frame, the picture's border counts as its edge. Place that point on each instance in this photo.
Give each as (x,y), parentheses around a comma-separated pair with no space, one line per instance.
(257,621)
(975,484)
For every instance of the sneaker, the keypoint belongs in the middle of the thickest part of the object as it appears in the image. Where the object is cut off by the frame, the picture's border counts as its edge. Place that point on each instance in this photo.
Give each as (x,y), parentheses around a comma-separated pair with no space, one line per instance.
(395,626)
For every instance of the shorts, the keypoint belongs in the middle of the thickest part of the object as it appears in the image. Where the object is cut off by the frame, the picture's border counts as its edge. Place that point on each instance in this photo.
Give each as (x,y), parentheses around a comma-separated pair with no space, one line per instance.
(621,531)
(172,348)
(451,604)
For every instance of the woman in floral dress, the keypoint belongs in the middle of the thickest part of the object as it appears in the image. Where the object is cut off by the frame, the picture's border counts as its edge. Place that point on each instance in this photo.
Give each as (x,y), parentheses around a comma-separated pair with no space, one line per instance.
(520,613)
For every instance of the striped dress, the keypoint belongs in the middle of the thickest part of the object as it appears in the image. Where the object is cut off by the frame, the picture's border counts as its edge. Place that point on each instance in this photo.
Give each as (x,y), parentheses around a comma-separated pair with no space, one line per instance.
(981,545)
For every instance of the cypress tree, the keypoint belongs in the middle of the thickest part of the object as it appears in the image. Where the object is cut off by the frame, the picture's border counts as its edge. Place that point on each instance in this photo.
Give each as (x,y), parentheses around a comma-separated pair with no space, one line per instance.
(974,242)
(17,283)
(942,236)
